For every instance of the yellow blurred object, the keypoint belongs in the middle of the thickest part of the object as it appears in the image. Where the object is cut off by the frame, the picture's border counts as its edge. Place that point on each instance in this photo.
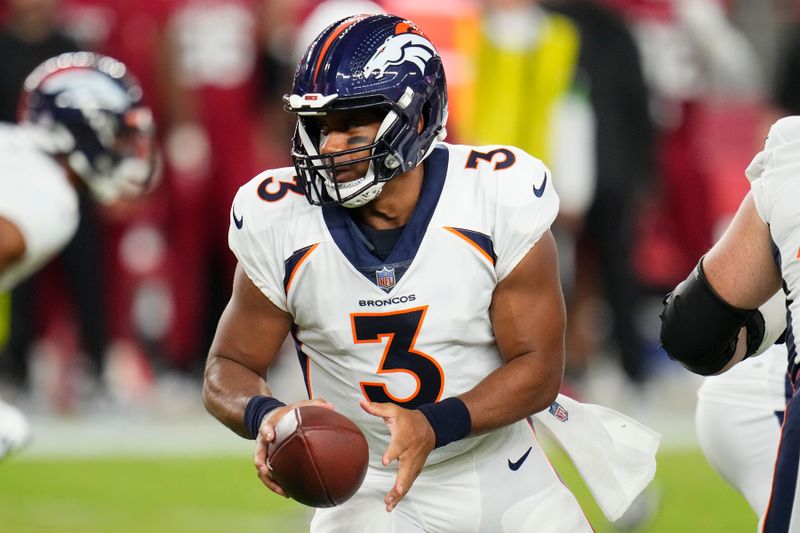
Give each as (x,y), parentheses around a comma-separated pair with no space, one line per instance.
(5,317)
(516,90)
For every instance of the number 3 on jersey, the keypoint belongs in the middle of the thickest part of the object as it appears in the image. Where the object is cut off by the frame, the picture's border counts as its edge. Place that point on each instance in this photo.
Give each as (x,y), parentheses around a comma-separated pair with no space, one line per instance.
(399,329)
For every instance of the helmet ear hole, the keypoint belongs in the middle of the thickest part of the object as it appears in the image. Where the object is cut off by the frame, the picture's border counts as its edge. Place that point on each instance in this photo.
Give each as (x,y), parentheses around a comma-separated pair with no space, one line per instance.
(424,116)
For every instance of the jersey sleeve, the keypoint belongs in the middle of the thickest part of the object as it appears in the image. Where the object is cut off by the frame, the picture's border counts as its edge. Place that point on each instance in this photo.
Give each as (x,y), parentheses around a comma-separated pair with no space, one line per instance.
(527,204)
(775,171)
(36,198)
(253,240)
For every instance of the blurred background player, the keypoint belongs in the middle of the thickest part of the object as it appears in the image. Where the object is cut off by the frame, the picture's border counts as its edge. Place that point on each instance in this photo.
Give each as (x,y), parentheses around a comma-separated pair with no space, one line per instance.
(32,33)
(571,91)
(82,127)
(610,72)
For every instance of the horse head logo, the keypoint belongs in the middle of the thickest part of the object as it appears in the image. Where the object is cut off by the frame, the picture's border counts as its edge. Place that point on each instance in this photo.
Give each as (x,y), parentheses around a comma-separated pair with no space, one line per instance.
(399,49)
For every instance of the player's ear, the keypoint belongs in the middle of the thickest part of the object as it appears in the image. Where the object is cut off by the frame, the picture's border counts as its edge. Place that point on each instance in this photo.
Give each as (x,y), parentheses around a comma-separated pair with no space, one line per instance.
(421,125)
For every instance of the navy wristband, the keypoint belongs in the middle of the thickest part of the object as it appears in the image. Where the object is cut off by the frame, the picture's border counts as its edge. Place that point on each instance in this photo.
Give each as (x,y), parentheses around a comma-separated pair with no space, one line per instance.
(449,419)
(257,408)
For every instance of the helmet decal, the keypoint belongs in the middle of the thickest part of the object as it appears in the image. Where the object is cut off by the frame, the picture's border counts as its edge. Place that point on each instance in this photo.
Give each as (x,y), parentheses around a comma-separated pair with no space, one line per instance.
(399,49)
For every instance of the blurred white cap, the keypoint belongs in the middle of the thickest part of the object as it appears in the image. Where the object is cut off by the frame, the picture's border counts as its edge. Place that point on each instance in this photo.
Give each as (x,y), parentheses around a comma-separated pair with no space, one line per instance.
(780,157)
(327,13)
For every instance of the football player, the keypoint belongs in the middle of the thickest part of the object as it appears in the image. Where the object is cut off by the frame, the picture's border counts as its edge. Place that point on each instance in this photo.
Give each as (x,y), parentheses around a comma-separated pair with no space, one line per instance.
(710,321)
(420,281)
(82,127)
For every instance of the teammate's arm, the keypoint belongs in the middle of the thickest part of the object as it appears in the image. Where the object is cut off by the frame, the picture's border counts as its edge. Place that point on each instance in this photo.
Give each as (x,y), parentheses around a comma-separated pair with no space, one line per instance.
(12,244)
(710,322)
(740,266)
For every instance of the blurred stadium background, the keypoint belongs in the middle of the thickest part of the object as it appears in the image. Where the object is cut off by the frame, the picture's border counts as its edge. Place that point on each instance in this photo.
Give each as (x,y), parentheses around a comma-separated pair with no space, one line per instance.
(104,349)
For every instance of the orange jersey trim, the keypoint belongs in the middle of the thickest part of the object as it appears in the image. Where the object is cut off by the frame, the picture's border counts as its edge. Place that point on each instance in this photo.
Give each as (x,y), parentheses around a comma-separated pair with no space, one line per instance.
(297,266)
(472,243)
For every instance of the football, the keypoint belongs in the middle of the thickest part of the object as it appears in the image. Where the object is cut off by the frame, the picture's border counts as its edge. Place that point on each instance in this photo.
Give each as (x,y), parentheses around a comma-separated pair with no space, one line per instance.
(318,456)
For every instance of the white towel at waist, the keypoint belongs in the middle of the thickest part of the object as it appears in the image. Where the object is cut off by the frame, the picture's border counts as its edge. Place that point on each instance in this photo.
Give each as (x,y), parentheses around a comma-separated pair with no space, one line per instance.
(614,454)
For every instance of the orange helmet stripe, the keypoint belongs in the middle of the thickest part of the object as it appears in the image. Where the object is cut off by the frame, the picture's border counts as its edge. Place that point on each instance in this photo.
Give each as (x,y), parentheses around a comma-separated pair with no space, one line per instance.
(332,37)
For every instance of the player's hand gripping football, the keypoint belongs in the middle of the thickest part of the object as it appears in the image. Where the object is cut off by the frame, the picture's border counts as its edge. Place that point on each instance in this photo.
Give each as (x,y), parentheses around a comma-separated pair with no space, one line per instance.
(266,434)
(412,441)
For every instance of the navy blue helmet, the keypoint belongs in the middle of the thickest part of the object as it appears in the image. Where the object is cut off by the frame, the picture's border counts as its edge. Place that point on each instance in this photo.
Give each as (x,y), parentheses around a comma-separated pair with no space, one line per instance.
(88,107)
(380,63)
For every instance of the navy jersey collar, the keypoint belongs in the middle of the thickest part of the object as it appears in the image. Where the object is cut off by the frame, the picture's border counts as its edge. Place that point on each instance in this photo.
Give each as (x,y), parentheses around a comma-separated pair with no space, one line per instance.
(346,236)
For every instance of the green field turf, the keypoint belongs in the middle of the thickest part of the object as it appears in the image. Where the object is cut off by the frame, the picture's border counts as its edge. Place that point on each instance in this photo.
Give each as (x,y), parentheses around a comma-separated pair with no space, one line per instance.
(223,495)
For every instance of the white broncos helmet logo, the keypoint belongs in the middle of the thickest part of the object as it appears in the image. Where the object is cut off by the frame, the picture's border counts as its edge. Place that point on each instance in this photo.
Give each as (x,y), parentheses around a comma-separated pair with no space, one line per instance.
(397,50)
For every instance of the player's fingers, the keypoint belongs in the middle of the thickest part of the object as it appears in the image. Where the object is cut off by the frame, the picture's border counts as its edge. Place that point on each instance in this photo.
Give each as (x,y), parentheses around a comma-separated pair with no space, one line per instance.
(394,451)
(262,467)
(384,410)
(321,402)
(260,455)
(270,483)
(266,432)
(407,473)
(394,496)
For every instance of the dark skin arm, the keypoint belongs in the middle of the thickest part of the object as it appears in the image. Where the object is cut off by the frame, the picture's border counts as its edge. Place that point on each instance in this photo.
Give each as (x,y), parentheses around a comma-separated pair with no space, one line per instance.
(12,244)
(528,317)
(249,335)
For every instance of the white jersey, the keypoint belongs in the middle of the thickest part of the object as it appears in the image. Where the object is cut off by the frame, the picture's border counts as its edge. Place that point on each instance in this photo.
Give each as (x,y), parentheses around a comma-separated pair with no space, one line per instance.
(758,382)
(414,328)
(775,185)
(738,422)
(35,196)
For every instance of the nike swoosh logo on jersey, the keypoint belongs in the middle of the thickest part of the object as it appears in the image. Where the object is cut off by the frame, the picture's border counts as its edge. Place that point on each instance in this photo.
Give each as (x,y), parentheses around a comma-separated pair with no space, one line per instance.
(540,191)
(238,221)
(515,466)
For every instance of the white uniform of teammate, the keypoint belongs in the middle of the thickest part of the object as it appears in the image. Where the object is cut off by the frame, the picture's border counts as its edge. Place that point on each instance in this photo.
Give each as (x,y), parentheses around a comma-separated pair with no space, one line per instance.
(738,421)
(35,196)
(775,187)
(413,329)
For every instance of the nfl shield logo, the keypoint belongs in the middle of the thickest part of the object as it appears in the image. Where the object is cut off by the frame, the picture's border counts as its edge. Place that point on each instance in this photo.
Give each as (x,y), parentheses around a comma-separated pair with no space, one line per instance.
(385,278)
(559,412)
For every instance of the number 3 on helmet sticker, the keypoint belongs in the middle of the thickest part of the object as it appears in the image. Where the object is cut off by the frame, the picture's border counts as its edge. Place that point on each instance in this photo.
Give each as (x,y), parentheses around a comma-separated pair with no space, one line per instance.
(400,330)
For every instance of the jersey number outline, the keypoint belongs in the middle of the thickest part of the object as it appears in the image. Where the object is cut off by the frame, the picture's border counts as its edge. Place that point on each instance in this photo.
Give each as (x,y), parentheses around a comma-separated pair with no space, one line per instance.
(400,330)
(507,162)
(284,187)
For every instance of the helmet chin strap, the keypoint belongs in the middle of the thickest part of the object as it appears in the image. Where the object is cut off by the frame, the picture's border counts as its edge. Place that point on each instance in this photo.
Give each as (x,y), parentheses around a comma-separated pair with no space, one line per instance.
(369,194)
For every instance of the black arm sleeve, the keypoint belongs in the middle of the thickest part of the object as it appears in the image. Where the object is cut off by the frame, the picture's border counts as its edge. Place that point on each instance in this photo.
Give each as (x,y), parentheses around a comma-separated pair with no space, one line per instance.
(700,330)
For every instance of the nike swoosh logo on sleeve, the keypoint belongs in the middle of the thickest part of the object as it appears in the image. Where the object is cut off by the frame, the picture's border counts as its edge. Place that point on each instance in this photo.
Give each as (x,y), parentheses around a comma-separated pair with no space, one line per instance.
(540,190)
(238,221)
